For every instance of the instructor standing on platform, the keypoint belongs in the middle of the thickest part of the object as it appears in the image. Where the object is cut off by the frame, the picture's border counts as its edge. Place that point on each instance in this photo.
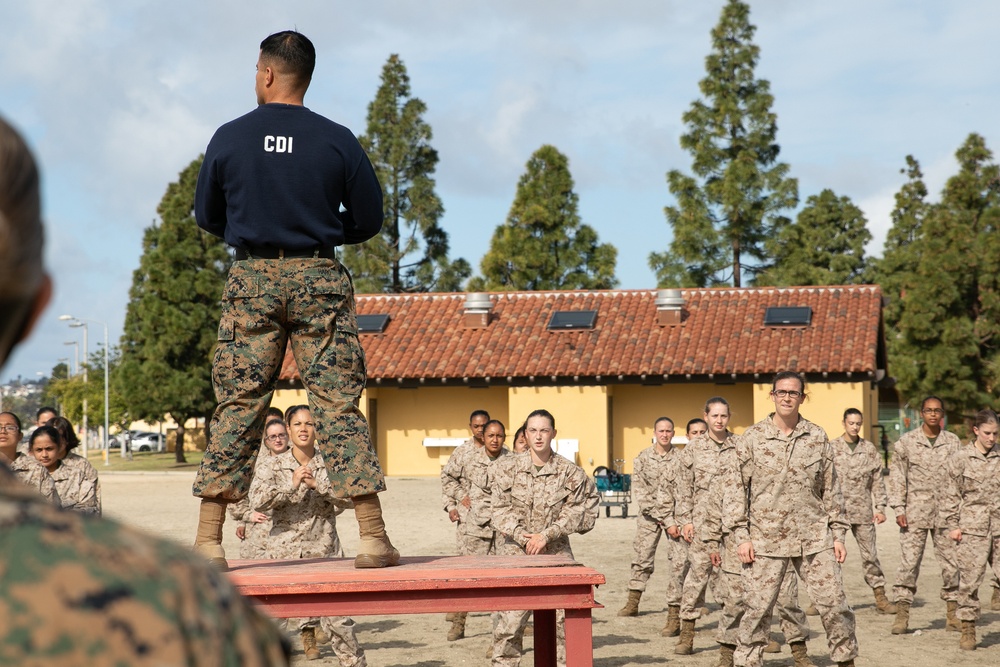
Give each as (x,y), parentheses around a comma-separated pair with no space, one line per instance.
(284,187)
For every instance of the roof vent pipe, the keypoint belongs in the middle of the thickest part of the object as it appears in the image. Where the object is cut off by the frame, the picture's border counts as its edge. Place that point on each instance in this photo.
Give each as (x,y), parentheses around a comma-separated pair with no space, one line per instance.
(478,307)
(669,307)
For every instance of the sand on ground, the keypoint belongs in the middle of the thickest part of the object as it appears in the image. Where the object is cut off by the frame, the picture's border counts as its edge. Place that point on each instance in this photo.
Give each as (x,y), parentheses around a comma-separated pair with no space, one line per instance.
(162,504)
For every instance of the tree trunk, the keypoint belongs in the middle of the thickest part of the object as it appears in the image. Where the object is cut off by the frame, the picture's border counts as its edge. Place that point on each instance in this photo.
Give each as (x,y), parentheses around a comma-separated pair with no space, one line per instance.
(179,442)
(737,269)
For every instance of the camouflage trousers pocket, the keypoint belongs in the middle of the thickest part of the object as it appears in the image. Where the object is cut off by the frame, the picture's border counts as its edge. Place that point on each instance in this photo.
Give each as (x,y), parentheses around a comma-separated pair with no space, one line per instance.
(222,366)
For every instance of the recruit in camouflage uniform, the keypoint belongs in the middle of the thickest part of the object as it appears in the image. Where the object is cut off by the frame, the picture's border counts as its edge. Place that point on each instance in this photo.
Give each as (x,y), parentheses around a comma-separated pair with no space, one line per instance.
(722,552)
(34,475)
(90,483)
(76,491)
(470,538)
(82,590)
(699,466)
(654,477)
(253,544)
(970,510)
(859,468)
(789,513)
(553,501)
(917,479)
(304,525)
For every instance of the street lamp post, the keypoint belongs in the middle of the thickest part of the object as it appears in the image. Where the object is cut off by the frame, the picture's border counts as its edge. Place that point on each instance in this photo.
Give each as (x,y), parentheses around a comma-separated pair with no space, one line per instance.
(81,322)
(86,364)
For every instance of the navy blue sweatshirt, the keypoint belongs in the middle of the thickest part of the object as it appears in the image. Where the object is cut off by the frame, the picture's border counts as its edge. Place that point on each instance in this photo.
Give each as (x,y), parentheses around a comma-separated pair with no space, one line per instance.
(284,177)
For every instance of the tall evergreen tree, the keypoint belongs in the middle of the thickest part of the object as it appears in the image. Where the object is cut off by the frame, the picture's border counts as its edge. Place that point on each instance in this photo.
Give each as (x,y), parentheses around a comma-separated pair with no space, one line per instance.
(543,245)
(894,271)
(824,246)
(411,252)
(733,202)
(173,314)
(946,340)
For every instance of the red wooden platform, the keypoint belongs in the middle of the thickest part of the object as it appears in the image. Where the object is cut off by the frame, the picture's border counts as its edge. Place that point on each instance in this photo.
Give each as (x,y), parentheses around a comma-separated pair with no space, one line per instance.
(427,585)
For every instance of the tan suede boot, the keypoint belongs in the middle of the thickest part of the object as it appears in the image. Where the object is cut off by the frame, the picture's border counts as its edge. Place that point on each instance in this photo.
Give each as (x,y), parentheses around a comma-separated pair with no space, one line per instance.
(968,640)
(309,644)
(457,630)
(882,603)
(321,636)
(811,610)
(772,646)
(208,541)
(631,607)
(902,622)
(800,655)
(726,655)
(995,600)
(673,626)
(375,549)
(685,643)
(952,623)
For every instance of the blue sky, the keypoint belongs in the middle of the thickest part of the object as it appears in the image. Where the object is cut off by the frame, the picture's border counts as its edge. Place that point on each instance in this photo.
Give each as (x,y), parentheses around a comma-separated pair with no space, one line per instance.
(118,97)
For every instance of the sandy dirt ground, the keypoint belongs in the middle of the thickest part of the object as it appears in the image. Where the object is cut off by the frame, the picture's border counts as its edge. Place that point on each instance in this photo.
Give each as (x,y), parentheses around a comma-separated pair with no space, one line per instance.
(162,504)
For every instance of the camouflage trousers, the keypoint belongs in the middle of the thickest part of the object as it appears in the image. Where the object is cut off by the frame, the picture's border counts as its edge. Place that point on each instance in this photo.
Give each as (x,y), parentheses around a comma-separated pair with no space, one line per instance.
(793,621)
(972,555)
(508,626)
(911,551)
(267,304)
(647,538)
(864,534)
(824,582)
(342,636)
(473,545)
(508,637)
(700,573)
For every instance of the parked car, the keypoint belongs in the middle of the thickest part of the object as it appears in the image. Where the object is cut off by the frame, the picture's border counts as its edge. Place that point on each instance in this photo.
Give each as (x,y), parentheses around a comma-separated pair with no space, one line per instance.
(146,441)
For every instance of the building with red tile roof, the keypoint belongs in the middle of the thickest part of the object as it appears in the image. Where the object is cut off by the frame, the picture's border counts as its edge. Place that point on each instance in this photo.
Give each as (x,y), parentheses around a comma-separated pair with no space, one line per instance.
(608,366)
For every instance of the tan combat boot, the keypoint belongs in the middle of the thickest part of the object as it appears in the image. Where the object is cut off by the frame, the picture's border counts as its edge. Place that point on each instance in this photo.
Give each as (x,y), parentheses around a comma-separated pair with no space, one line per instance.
(800,655)
(631,607)
(322,637)
(952,623)
(902,622)
(846,663)
(375,549)
(685,643)
(995,600)
(726,655)
(968,640)
(309,644)
(673,626)
(208,542)
(772,646)
(811,610)
(882,603)
(457,630)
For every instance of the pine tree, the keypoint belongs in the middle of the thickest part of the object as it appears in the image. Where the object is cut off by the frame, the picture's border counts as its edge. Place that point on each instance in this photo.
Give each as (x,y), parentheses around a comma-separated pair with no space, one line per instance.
(733,202)
(824,246)
(946,341)
(173,314)
(543,245)
(411,252)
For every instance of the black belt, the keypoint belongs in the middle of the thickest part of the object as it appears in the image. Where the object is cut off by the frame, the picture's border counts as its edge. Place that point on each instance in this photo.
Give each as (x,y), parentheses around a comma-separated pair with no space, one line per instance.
(266,252)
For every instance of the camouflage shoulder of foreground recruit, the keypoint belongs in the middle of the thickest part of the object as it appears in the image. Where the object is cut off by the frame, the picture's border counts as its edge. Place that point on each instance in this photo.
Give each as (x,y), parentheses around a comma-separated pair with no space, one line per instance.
(80,590)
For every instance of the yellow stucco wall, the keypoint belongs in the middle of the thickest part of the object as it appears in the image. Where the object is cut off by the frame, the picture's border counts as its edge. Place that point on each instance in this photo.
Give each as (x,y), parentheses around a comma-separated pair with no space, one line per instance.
(636,407)
(825,405)
(609,423)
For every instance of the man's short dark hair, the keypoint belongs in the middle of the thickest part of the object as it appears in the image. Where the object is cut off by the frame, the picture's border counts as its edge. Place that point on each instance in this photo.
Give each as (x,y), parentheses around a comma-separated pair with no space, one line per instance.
(293,52)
